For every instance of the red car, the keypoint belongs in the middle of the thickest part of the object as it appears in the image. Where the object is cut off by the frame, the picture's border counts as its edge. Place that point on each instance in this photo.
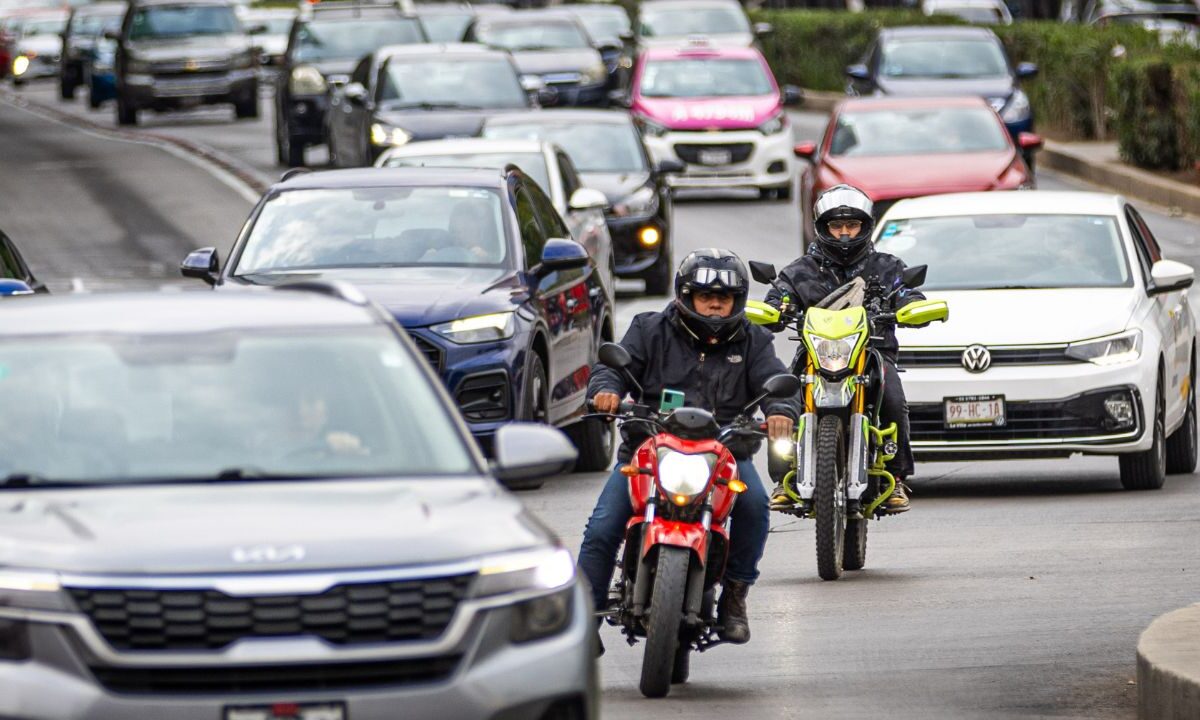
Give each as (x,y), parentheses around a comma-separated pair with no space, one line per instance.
(896,148)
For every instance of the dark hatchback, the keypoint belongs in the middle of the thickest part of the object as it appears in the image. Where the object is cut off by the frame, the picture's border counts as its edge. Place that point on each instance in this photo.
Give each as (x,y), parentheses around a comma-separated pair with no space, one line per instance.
(475,264)
(924,61)
(607,151)
(325,43)
(403,94)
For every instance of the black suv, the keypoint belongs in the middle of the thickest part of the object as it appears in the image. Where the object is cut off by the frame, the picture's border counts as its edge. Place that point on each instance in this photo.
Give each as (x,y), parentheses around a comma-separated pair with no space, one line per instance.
(325,43)
(174,54)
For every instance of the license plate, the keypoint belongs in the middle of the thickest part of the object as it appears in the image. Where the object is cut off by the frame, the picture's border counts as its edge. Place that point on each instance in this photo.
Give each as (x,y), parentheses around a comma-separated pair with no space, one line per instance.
(975,410)
(715,157)
(287,711)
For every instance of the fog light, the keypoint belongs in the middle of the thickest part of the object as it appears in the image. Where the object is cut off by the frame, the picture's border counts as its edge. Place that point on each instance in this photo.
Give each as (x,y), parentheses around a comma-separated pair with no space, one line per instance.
(541,617)
(649,236)
(20,65)
(776,167)
(1119,409)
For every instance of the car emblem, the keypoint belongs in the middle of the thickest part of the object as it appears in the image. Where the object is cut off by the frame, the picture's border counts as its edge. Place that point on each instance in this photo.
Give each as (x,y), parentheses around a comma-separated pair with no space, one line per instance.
(268,554)
(976,359)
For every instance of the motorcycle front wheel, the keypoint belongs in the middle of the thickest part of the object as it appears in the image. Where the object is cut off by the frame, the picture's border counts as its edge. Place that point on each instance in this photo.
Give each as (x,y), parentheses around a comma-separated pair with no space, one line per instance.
(829,497)
(666,615)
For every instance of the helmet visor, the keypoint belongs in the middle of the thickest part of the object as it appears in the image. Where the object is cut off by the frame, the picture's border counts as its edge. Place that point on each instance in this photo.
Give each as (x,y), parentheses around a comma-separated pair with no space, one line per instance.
(714,279)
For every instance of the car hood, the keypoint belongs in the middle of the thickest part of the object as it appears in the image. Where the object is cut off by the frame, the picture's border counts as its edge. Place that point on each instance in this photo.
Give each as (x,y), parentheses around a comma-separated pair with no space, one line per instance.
(421,296)
(615,186)
(435,124)
(736,39)
(901,176)
(984,87)
(538,62)
(183,529)
(727,113)
(41,44)
(1025,317)
(218,47)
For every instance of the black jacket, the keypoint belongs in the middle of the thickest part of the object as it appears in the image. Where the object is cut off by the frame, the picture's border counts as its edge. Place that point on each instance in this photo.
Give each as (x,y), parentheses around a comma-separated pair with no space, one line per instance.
(810,278)
(721,378)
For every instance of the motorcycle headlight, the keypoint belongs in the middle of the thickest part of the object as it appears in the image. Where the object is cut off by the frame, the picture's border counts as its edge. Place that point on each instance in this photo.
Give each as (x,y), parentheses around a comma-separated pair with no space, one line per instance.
(307,80)
(1112,350)
(478,329)
(651,128)
(1017,108)
(683,477)
(834,355)
(775,125)
(388,136)
(597,73)
(643,201)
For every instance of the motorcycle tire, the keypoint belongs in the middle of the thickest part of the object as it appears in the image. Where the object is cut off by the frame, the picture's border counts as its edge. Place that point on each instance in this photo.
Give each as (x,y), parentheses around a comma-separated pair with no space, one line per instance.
(829,497)
(666,614)
(854,554)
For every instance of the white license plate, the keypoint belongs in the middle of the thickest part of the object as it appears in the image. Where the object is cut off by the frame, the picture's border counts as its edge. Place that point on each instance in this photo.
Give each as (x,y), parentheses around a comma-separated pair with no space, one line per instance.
(975,410)
(715,157)
(287,711)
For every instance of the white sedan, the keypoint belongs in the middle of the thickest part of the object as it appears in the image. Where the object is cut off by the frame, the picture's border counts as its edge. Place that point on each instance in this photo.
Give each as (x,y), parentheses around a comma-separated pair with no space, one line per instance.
(1068,332)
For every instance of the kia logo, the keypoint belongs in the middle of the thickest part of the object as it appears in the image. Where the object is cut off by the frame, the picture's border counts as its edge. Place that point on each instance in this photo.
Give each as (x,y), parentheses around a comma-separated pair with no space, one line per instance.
(268,554)
(976,359)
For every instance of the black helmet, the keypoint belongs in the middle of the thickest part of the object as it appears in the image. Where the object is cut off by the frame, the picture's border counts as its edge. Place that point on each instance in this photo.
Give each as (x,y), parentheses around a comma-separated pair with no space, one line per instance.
(711,270)
(843,202)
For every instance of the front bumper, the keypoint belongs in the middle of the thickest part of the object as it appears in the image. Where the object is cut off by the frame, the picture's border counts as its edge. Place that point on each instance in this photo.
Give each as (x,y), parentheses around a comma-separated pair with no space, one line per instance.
(192,88)
(1053,410)
(633,257)
(488,676)
(754,160)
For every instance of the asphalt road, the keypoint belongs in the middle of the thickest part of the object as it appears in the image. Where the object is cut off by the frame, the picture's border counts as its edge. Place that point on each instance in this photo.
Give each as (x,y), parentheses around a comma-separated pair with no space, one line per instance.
(1011,589)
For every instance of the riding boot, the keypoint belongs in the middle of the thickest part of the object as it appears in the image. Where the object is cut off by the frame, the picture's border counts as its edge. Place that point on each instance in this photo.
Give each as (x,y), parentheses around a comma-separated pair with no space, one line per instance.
(731,612)
(898,502)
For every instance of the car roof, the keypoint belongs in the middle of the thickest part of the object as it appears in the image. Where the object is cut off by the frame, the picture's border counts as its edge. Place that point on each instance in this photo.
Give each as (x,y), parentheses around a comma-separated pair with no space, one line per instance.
(596,9)
(457,146)
(528,16)
(392,177)
(342,10)
(469,50)
(700,50)
(101,8)
(177,313)
(1040,202)
(268,12)
(561,115)
(867,104)
(149,3)
(937,31)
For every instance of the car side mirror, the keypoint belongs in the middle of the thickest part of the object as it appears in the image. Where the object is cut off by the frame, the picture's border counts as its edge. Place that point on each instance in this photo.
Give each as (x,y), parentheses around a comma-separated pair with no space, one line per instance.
(546,96)
(562,254)
(792,95)
(203,264)
(10,288)
(614,356)
(858,72)
(763,29)
(587,199)
(667,166)
(806,151)
(355,93)
(1168,276)
(914,277)
(608,47)
(532,83)
(1030,141)
(1027,70)
(526,451)
(112,35)
(763,272)
(627,36)
(619,98)
(256,29)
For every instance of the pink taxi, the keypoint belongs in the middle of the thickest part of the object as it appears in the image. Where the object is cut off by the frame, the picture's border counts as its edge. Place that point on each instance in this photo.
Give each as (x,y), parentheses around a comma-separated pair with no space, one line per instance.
(719,112)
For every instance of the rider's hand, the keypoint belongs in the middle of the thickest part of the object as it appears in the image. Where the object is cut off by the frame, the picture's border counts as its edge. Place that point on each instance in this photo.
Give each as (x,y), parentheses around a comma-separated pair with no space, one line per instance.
(606,402)
(779,427)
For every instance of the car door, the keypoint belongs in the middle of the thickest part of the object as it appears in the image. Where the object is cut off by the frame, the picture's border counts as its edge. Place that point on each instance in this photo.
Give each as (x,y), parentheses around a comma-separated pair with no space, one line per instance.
(344,117)
(588,227)
(1166,313)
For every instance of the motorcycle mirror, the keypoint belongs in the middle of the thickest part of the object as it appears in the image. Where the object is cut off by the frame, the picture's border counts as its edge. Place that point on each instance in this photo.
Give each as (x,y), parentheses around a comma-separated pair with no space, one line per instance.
(618,358)
(914,277)
(782,386)
(762,272)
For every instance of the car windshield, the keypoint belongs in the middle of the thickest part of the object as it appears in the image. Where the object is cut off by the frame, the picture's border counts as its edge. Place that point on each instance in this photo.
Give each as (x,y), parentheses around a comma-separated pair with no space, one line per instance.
(431,83)
(705,77)
(677,21)
(231,405)
(95,24)
(532,164)
(445,27)
(43,26)
(169,21)
(972,13)
(593,147)
(275,24)
(943,58)
(1011,251)
(351,39)
(376,227)
(917,132)
(606,26)
(540,35)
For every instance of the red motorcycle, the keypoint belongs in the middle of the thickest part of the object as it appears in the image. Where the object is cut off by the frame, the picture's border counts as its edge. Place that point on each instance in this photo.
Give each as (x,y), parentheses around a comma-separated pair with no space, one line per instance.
(683,483)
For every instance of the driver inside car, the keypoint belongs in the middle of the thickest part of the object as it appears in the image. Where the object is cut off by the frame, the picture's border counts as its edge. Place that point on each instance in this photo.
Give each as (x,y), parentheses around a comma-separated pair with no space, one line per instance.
(703,346)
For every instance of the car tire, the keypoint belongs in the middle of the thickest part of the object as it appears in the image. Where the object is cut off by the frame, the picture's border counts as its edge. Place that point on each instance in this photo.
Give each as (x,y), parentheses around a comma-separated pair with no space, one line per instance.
(1147,470)
(1182,445)
(660,279)
(126,113)
(535,407)
(594,440)
(246,108)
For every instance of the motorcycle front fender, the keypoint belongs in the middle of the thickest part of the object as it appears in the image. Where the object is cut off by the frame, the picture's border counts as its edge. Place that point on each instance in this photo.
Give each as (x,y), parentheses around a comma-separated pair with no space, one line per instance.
(679,534)
(856,459)
(806,456)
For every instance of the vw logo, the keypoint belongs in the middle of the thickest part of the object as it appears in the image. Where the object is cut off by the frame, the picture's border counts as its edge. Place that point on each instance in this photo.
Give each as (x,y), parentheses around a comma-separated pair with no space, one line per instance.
(976,359)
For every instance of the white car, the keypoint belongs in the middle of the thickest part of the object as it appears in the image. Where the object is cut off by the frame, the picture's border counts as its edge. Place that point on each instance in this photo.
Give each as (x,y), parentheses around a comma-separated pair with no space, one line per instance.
(980,12)
(1068,332)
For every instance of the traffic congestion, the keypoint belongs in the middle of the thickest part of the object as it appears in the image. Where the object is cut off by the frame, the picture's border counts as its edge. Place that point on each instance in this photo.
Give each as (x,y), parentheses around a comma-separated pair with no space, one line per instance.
(378,358)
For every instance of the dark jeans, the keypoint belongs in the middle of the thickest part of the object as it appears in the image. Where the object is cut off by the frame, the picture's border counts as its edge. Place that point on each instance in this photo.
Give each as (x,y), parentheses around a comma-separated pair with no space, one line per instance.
(750,523)
(895,409)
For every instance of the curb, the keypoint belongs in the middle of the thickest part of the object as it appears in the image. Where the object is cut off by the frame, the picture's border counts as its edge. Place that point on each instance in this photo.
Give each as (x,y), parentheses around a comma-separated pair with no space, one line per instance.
(1168,667)
(1121,178)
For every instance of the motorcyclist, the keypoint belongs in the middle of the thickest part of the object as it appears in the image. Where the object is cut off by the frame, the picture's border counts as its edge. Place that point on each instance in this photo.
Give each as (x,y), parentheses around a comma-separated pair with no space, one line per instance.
(843,219)
(702,345)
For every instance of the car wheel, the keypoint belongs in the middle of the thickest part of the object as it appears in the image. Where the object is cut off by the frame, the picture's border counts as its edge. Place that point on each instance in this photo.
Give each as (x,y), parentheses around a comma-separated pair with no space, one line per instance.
(1148,470)
(535,407)
(1181,445)
(594,440)
(126,113)
(661,277)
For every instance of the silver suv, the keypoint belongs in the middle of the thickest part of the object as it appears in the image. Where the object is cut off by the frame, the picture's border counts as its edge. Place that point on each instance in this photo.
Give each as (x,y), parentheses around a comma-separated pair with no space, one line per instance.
(239,506)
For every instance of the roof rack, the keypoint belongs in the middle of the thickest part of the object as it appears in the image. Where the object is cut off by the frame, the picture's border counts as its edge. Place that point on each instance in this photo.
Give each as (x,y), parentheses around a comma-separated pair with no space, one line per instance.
(337,289)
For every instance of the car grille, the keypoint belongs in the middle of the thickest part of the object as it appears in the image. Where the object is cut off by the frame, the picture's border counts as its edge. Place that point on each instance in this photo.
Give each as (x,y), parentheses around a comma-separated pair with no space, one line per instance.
(432,352)
(1082,416)
(234,679)
(208,619)
(690,152)
(952,357)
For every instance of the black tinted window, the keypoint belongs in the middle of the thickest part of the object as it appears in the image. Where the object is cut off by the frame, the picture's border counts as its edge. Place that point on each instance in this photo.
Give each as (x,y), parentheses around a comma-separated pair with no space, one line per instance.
(183,20)
(532,237)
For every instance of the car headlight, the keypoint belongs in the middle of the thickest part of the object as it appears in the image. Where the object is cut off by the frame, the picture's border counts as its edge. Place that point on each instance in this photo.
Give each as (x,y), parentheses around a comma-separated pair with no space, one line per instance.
(777,124)
(542,617)
(388,136)
(597,73)
(20,65)
(307,80)
(643,201)
(481,328)
(683,477)
(31,590)
(538,570)
(834,355)
(651,128)
(1112,350)
(1017,108)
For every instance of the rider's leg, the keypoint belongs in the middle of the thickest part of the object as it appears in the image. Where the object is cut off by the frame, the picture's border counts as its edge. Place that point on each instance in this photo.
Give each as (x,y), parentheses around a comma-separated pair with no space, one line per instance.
(750,523)
(603,535)
(895,409)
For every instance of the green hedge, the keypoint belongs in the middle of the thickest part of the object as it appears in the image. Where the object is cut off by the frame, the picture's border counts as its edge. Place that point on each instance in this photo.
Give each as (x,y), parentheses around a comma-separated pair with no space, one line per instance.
(1156,120)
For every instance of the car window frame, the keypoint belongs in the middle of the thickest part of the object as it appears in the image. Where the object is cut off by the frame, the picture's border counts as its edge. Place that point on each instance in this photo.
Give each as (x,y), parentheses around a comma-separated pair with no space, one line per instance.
(1140,249)
(521,193)
(570,177)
